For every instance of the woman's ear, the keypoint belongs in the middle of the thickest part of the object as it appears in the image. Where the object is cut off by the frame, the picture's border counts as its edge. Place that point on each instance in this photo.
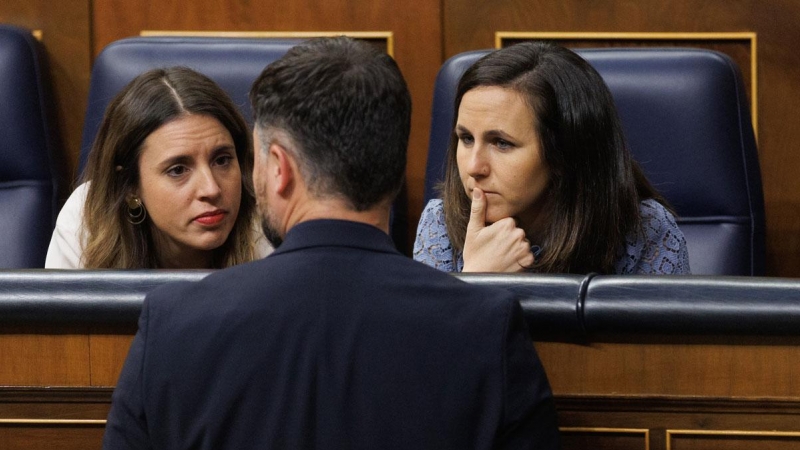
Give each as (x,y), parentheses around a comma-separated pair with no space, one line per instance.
(132,196)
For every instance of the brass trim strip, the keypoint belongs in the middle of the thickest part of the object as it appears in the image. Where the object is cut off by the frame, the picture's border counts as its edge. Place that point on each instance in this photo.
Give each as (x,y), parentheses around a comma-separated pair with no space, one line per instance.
(52,422)
(644,431)
(734,36)
(388,36)
(499,36)
(670,433)
(605,430)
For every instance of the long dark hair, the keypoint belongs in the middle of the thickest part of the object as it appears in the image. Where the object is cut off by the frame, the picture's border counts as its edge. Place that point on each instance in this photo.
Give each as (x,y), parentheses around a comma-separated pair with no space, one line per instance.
(149,101)
(595,185)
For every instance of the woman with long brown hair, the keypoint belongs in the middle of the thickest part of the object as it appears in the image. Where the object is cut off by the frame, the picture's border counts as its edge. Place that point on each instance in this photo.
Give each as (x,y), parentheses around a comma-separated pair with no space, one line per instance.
(539,177)
(168,182)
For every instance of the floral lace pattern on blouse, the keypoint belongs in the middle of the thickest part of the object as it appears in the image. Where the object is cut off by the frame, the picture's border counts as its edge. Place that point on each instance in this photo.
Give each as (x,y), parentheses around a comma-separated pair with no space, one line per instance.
(660,247)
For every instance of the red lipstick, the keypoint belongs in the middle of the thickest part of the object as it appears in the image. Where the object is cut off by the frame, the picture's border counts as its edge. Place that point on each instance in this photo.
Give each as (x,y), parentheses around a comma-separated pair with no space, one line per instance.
(211,217)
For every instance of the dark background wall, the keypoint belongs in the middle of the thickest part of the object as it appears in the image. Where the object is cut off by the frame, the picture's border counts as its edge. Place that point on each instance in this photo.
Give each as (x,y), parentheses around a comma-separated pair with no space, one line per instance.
(428,32)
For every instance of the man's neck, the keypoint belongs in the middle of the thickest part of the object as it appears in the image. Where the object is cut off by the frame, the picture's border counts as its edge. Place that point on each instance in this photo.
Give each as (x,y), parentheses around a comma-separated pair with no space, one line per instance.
(333,208)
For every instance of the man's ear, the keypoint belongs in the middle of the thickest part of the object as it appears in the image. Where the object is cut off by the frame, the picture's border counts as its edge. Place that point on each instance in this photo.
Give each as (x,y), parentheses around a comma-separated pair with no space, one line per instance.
(281,168)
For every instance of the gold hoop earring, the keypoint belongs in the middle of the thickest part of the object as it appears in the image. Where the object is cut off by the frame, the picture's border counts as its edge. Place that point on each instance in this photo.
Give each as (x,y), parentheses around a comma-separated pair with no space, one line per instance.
(136,211)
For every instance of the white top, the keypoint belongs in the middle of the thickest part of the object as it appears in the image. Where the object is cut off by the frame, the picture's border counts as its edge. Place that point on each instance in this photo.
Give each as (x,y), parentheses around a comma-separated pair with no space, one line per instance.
(69,237)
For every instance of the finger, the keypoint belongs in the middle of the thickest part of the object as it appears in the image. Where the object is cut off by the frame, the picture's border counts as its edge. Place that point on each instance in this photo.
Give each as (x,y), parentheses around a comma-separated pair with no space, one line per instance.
(477,215)
(527,260)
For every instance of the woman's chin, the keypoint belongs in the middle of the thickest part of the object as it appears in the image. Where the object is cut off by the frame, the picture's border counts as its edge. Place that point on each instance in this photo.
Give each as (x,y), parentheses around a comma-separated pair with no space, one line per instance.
(211,242)
(493,216)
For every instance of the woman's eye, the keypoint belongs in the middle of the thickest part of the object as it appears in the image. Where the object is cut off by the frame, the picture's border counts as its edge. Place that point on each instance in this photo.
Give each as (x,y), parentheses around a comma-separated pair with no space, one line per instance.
(176,171)
(223,160)
(502,144)
(466,139)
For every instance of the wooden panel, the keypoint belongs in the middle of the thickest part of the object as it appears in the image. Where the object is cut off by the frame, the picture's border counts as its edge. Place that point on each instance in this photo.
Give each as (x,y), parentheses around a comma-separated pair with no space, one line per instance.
(416,30)
(732,440)
(52,418)
(597,422)
(693,416)
(470,24)
(44,359)
(612,421)
(51,437)
(108,354)
(604,439)
(714,370)
(66,39)
(53,405)
(709,369)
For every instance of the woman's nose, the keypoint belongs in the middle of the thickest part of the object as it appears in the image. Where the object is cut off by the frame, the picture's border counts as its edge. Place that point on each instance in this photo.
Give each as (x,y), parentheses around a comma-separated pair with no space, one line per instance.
(477,164)
(208,186)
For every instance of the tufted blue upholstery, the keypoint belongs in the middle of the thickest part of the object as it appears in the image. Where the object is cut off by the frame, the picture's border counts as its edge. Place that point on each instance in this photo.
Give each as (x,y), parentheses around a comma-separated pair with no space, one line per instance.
(28,180)
(232,63)
(560,308)
(687,121)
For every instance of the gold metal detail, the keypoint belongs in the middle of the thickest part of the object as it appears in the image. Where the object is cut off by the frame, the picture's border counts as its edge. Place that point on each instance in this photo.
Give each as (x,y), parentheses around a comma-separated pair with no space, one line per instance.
(52,422)
(386,36)
(671,433)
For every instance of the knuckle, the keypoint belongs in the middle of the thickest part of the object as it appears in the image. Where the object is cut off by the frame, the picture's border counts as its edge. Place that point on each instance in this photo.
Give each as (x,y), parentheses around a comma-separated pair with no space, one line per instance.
(506,223)
(527,261)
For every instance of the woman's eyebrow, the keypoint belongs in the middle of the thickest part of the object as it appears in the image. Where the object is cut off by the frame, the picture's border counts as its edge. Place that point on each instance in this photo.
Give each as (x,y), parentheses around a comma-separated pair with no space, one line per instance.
(498,133)
(178,159)
(223,148)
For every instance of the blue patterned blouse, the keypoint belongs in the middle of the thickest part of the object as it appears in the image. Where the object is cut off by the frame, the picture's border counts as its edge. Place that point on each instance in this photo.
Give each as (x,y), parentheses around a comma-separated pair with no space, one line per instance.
(661,249)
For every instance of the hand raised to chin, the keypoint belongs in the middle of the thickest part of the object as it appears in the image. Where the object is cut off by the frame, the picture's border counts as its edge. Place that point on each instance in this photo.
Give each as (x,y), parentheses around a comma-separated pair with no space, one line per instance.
(499,247)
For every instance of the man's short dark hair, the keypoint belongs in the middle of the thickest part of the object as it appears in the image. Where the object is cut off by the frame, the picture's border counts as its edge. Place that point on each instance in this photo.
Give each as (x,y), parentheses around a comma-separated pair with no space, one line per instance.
(345,106)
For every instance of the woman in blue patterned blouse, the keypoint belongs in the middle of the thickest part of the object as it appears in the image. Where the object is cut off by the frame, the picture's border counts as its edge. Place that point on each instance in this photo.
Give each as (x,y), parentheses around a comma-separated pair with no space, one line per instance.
(539,177)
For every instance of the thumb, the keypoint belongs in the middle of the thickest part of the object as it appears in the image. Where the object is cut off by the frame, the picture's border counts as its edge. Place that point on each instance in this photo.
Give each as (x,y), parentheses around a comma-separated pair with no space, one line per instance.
(477,215)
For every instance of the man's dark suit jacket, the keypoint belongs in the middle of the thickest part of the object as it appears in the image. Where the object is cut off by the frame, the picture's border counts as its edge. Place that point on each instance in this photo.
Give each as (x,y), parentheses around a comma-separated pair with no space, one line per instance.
(334,341)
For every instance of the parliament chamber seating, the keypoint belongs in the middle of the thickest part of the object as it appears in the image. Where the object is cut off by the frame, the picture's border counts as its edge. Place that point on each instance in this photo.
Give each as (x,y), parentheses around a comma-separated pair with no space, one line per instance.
(29,177)
(687,121)
(635,362)
(233,63)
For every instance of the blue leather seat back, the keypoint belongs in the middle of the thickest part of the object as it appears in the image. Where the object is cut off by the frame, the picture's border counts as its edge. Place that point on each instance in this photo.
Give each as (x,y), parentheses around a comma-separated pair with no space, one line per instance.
(687,121)
(28,186)
(232,63)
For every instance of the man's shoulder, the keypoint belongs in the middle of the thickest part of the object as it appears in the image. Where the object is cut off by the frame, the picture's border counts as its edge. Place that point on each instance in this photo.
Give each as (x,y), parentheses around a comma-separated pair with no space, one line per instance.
(280,276)
(227,281)
(434,283)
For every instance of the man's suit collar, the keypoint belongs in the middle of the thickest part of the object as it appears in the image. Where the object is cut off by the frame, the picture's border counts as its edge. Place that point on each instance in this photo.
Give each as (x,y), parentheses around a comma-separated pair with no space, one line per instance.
(337,233)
